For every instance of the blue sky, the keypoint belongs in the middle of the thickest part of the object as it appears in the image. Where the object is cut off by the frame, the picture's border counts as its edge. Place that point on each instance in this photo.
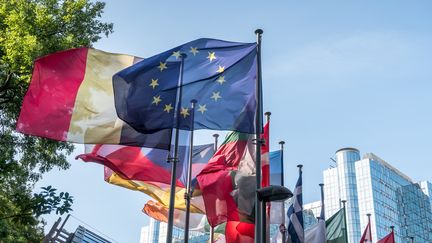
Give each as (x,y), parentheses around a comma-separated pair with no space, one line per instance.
(335,74)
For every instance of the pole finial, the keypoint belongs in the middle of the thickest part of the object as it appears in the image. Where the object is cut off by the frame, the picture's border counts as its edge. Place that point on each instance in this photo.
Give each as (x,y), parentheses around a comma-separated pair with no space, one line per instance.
(183,55)
(321,184)
(392,227)
(282,142)
(216,135)
(300,166)
(368,214)
(259,31)
(267,113)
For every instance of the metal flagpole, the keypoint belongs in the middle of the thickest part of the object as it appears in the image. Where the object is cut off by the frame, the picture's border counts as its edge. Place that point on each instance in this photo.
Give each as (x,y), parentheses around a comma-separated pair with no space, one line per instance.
(188,195)
(370,226)
(175,159)
(264,204)
(258,129)
(322,215)
(392,229)
(282,227)
(216,136)
(345,220)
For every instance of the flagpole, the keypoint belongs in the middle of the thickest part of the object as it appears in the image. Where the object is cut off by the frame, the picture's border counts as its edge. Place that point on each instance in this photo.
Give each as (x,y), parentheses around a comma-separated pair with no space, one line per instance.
(258,129)
(188,195)
(282,227)
(392,230)
(175,159)
(216,136)
(322,215)
(370,226)
(345,220)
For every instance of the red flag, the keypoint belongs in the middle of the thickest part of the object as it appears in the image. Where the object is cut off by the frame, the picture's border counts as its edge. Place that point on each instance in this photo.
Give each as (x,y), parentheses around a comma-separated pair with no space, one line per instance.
(367,235)
(145,164)
(388,239)
(216,179)
(236,232)
(265,156)
(228,185)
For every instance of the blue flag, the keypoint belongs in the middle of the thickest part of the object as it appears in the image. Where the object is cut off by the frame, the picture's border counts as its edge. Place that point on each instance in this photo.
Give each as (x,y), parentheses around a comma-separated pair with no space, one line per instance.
(295,215)
(276,170)
(220,75)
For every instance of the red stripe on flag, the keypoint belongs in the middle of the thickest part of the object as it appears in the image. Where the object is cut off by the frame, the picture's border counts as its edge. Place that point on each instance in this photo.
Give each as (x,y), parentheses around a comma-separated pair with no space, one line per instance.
(239,232)
(52,93)
(130,163)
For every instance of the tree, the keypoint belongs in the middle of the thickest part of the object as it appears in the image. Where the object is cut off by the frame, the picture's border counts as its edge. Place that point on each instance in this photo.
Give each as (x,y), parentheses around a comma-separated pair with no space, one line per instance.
(29,29)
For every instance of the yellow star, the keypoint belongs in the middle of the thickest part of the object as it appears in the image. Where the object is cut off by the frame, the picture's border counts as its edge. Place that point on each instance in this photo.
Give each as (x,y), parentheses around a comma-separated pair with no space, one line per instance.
(220,69)
(184,112)
(202,108)
(156,100)
(211,56)
(221,80)
(176,54)
(216,96)
(162,66)
(154,83)
(168,108)
(194,50)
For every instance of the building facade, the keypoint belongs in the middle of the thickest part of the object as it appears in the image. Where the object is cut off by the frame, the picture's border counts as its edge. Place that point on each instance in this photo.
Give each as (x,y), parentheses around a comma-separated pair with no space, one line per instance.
(157,231)
(426,187)
(371,185)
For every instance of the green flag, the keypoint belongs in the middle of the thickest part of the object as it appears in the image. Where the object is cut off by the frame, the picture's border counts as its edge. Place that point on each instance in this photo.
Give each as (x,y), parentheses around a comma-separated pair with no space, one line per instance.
(336,228)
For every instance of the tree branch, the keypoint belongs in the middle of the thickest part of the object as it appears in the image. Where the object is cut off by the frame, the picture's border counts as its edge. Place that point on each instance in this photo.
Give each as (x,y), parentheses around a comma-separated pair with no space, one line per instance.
(16,215)
(7,82)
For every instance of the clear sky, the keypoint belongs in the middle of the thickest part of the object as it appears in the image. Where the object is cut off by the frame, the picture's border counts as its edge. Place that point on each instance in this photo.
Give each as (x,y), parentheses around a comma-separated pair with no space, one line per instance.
(335,74)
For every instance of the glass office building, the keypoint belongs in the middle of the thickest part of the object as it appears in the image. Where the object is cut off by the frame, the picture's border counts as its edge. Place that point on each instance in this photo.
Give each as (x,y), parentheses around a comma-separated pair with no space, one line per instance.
(426,187)
(157,231)
(371,185)
(83,235)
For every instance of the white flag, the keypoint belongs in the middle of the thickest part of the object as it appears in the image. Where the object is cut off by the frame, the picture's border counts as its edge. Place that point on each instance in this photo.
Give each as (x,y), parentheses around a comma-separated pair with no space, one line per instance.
(317,233)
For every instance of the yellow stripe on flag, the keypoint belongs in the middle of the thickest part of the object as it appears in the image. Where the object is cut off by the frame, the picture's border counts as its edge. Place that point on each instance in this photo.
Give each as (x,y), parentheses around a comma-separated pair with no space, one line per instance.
(158,193)
(94,118)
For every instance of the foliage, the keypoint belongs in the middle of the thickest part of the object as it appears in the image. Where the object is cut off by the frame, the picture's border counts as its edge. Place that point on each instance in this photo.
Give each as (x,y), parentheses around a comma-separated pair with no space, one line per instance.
(29,29)
(48,201)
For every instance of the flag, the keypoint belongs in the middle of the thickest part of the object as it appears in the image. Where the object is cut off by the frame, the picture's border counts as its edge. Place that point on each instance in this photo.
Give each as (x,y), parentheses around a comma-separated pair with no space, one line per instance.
(148,164)
(220,75)
(158,191)
(317,233)
(70,98)
(159,212)
(265,169)
(239,232)
(265,164)
(336,228)
(276,169)
(388,238)
(227,197)
(198,221)
(277,208)
(295,229)
(367,234)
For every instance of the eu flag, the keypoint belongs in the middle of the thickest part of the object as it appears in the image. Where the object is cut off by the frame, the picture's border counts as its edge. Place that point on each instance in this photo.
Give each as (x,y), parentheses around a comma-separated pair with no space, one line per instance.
(220,75)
